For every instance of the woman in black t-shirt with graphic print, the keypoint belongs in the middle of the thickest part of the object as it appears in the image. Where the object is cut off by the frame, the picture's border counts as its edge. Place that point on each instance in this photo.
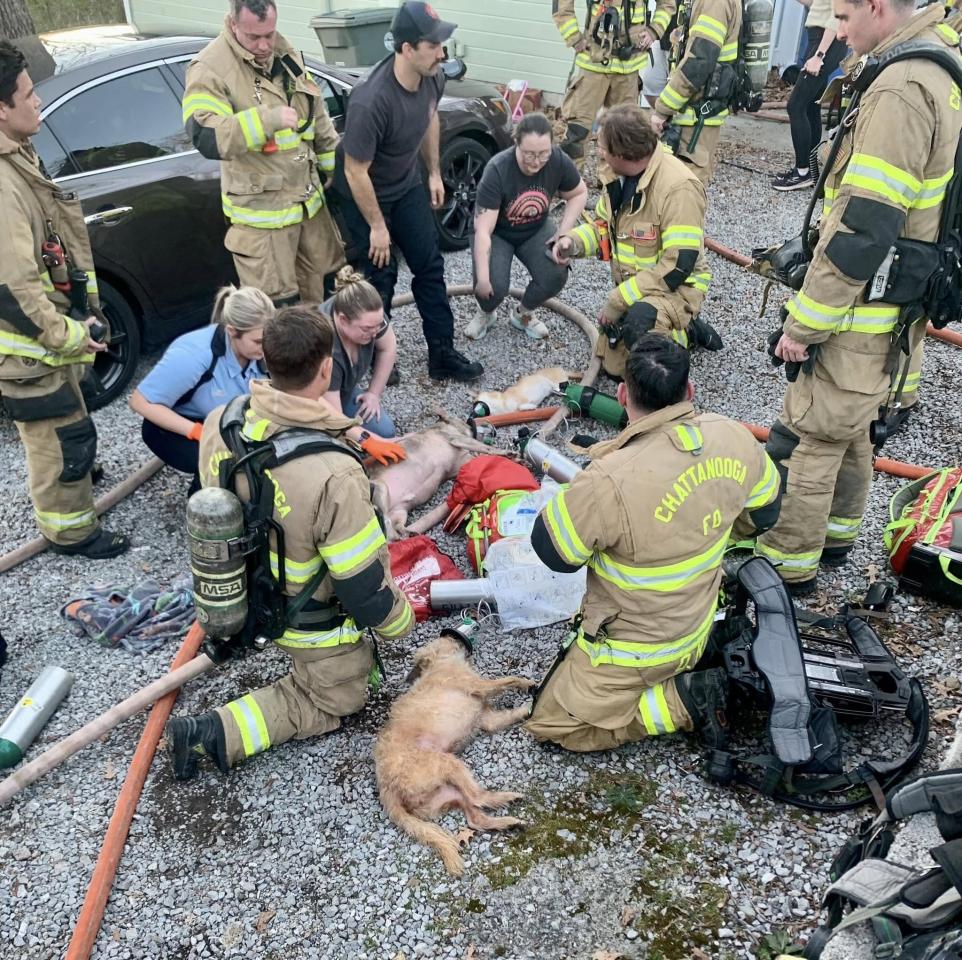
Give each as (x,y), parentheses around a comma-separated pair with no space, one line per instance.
(511,220)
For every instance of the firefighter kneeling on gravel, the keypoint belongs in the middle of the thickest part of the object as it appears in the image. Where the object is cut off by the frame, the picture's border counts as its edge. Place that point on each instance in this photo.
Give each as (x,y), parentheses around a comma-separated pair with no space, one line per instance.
(651,517)
(323,503)
(650,225)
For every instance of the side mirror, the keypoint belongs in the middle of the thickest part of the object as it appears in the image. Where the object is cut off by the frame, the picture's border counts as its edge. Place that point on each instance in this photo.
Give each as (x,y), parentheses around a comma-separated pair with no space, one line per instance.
(454,68)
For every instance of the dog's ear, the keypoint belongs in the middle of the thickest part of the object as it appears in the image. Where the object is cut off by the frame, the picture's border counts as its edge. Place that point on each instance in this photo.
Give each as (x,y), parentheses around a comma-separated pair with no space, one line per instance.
(423,658)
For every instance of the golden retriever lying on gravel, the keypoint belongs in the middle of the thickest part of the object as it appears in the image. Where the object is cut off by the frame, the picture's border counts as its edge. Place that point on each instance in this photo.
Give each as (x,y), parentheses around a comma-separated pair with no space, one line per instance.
(418,774)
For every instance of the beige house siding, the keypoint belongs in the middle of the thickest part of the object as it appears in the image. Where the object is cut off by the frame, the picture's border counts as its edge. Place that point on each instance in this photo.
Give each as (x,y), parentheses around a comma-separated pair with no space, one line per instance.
(499,39)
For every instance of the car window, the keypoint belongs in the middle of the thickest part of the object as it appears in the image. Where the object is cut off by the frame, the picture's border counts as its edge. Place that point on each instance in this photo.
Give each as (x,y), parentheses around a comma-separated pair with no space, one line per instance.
(179,68)
(130,118)
(55,161)
(335,103)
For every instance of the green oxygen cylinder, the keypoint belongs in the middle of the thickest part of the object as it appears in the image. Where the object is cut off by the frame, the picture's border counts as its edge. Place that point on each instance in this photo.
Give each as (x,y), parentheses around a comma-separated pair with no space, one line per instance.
(592,403)
(34,709)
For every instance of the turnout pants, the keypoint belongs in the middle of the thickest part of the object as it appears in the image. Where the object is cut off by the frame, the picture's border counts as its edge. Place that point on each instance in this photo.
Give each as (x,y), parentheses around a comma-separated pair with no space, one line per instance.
(288,263)
(587,93)
(584,708)
(60,442)
(702,158)
(821,446)
(660,312)
(324,685)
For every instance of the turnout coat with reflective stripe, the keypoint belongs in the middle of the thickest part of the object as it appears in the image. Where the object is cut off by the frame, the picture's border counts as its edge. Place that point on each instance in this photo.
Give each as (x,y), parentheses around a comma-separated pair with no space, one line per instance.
(33,325)
(714,27)
(651,518)
(657,236)
(323,503)
(232,108)
(888,181)
(570,18)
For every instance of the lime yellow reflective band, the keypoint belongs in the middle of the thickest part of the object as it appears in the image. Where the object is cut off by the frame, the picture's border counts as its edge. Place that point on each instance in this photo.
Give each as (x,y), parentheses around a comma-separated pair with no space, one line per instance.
(690,436)
(400,624)
(250,724)
(766,489)
(252,128)
(347,632)
(272,219)
(563,532)
(347,555)
(844,528)
(803,562)
(654,711)
(710,29)
(295,571)
(65,521)
(682,235)
(204,103)
(630,291)
(569,28)
(876,175)
(671,98)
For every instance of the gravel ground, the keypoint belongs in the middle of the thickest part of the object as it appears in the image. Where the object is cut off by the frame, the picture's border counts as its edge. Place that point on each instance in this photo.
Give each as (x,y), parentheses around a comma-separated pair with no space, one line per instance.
(630,852)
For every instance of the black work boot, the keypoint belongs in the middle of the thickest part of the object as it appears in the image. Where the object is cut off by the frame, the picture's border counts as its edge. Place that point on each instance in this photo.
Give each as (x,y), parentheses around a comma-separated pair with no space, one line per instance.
(190,738)
(835,556)
(445,363)
(702,334)
(705,696)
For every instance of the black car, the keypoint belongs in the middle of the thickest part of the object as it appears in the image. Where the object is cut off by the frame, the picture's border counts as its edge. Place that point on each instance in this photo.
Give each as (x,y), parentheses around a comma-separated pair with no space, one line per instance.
(112,131)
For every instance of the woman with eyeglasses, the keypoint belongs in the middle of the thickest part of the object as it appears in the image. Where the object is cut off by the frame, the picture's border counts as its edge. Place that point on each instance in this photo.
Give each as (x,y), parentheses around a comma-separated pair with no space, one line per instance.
(511,220)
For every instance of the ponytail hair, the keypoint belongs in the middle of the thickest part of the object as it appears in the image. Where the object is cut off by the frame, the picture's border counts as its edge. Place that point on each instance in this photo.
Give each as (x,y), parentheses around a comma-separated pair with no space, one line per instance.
(244,309)
(354,295)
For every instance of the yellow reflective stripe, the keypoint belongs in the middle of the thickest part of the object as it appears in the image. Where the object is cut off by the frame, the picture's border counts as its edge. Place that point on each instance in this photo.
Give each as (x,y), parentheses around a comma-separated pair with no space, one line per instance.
(92,283)
(15,345)
(912,382)
(589,239)
(682,235)
(347,632)
(630,291)
(272,219)
(252,128)
(663,579)
(308,132)
(287,139)
(295,571)
(688,118)
(661,19)
(699,281)
(671,98)
(654,711)
(400,624)
(710,28)
(680,336)
(844,528)
(46,282)
(348,554)
(729,52)
(250,724)
(566,538)
(253,428)
(206,103)
(877,176)
(932,192)
(76,335)
(621,653)
(690,436)
(858,319)
(326,161)
(568,29)
(791,561)
(65,521)
(614,65)
(765,490)
(948,33)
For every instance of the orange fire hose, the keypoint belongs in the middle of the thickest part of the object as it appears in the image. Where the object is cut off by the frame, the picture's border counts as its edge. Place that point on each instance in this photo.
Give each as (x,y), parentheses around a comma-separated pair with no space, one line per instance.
(739,259)
(92,912)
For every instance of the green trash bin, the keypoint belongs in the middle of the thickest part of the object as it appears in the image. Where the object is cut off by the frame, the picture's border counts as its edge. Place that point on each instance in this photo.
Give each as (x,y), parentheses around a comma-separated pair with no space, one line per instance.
(353,38)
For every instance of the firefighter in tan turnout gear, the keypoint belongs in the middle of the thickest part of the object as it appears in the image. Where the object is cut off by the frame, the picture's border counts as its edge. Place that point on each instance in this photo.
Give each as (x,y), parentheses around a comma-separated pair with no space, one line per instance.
(250,103)
(650,224)
(881,187)
(322,501)
(651,517)
(43,352)
(610,39)
(709,36)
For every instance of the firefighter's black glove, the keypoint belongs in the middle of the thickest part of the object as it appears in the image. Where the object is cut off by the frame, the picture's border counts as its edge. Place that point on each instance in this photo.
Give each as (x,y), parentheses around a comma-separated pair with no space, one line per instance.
(773,339)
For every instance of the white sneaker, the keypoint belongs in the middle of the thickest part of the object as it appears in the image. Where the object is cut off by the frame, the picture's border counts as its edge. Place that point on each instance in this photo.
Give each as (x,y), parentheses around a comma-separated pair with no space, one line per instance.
(480,324)
(533,327)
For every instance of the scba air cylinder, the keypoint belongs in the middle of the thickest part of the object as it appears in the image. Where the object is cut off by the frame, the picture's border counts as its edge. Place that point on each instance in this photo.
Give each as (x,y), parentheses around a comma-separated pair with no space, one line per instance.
(215,518)
(758,16)
(34,709)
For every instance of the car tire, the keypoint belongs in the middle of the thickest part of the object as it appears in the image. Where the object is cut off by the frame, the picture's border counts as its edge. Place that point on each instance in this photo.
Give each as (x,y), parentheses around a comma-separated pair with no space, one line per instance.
(112,370)
(462,163)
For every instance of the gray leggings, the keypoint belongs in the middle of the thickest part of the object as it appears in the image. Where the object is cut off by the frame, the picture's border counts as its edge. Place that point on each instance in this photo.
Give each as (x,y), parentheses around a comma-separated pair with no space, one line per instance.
(547,278)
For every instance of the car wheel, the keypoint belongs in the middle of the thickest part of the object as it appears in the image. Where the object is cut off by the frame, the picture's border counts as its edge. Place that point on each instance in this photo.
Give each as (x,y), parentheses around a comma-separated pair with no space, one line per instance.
(112,369)
(462,163)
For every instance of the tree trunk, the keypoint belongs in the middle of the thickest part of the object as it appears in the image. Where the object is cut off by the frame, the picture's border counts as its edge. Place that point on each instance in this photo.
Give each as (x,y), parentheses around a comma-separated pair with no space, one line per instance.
(15,19)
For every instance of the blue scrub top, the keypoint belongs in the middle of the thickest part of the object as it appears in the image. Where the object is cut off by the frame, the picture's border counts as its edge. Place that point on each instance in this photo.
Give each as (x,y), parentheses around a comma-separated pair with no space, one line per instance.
(184,363)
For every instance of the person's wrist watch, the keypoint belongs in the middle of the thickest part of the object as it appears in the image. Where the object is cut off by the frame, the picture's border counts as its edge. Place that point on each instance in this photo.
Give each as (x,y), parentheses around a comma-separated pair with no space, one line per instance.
(820,54)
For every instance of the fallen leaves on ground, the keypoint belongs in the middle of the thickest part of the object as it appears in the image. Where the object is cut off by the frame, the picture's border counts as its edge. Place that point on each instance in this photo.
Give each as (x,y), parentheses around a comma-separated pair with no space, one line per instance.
(463,836)
(627,915)
(606,955)
(263,919)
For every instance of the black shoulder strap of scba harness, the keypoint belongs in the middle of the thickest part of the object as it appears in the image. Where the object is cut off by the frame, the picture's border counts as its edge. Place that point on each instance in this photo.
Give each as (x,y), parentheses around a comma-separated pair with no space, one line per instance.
(270,612)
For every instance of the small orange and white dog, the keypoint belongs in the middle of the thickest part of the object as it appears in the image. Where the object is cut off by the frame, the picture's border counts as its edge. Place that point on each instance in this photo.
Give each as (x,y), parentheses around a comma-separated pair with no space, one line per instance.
(528,393)
(418,774)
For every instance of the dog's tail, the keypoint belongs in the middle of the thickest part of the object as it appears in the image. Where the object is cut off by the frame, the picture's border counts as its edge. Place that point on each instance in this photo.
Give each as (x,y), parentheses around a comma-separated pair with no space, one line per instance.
(424,831)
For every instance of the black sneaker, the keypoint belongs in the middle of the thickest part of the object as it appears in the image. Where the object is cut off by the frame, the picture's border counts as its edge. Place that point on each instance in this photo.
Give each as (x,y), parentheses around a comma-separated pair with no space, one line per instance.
(190,738)
(705,696)
(445,363)
(793,180)
(702,334)
(100,545)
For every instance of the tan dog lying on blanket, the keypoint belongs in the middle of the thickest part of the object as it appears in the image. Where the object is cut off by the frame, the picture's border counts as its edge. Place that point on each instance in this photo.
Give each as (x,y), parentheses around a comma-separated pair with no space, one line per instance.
(528,393)
(418,774)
